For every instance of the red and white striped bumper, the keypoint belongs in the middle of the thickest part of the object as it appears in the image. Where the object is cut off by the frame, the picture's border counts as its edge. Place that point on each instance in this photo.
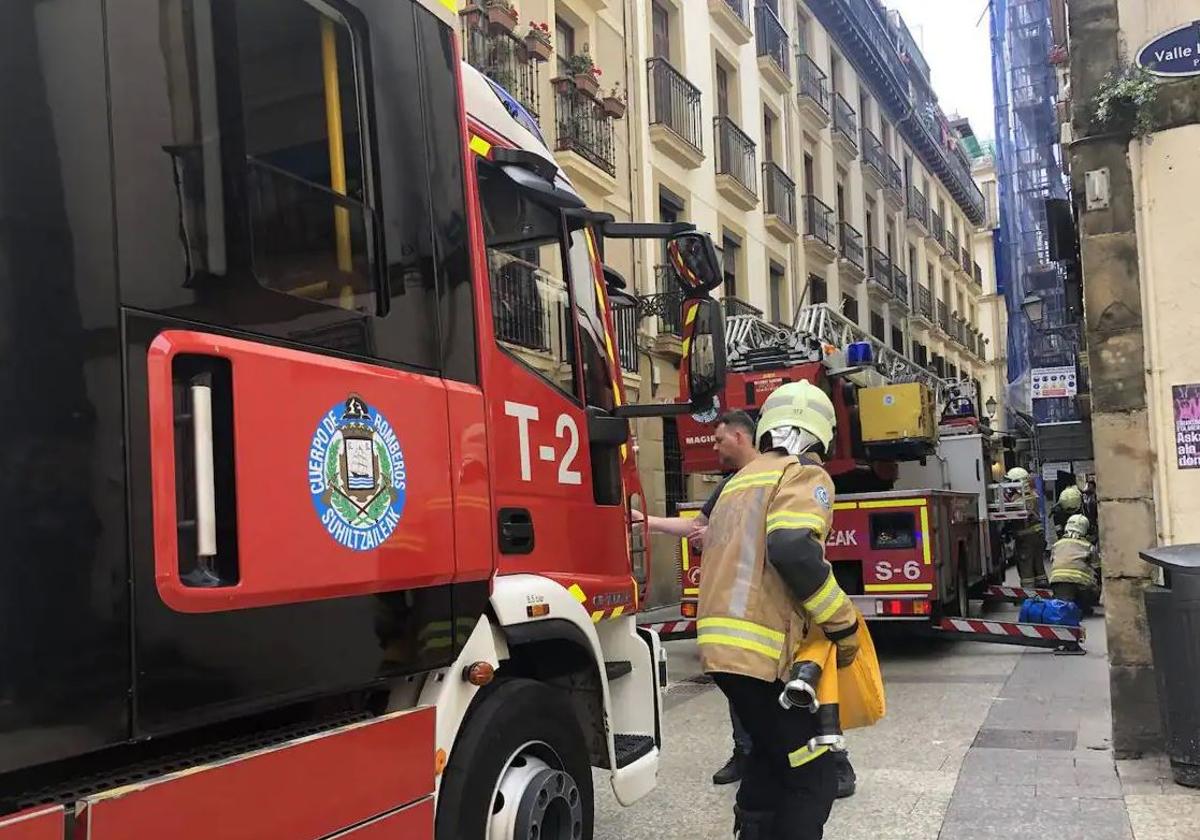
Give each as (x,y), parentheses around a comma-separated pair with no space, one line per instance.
(673,629)
(1011,632)
(1016,593)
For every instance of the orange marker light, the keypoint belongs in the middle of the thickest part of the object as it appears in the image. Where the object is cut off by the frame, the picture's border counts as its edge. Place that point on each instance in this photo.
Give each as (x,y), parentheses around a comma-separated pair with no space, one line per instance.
(537,610)
(688,610)
(439,762)
(479,673)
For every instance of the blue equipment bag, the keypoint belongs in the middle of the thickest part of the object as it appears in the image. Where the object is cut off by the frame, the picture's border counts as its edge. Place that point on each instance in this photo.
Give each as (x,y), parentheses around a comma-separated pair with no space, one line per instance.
(1062,613)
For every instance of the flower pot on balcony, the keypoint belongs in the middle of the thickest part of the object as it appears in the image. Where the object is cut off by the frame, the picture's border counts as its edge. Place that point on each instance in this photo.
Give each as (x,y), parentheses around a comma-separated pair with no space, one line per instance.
(538,47)
(563,84)
(587,83)
(613,106)
(501,18)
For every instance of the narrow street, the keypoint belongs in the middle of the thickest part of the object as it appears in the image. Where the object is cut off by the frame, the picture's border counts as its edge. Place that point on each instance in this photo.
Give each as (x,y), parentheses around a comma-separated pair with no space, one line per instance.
(980,742)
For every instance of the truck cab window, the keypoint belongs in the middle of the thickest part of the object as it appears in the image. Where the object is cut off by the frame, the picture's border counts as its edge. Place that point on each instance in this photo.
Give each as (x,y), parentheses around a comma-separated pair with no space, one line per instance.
(589,313)
(530,297)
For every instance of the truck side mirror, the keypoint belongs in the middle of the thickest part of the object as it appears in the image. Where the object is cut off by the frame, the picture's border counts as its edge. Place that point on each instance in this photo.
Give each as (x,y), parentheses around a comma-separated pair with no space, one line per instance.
(694,258)
(705,354)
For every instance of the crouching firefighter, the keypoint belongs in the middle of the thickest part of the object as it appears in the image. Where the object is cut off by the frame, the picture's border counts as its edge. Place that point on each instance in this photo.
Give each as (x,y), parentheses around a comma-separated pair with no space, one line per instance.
(1073,564)
(767,591)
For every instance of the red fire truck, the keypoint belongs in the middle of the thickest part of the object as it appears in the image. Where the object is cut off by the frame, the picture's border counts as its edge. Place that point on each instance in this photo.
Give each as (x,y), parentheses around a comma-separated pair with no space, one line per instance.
(292,524)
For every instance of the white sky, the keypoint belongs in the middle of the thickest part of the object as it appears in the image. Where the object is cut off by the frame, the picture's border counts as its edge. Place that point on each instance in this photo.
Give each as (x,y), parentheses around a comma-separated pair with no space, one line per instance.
(959,55)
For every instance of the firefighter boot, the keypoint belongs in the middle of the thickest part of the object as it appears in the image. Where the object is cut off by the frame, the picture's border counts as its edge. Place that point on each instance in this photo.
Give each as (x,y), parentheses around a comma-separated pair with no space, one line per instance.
(753,825)
(732,771)
(847,781)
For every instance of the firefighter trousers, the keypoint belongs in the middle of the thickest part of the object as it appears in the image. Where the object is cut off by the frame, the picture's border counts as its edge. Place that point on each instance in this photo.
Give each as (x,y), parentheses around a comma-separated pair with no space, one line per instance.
(1031,562)
(800,797)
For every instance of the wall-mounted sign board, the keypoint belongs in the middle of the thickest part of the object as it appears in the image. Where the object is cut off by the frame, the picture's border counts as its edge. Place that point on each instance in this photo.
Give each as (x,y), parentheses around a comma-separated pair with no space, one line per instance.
(1175,52)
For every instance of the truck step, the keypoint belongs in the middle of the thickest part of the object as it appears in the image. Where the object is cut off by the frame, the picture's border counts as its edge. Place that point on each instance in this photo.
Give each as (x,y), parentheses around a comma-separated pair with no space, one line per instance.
(1013,633)
(1015,594)
(630,748)
(618,669)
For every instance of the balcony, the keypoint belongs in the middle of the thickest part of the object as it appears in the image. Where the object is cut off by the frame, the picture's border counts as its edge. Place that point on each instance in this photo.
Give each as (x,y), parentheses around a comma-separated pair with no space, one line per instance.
(950,254)
(900,298)
(977,276)
(957,330)
(820,231)
(503,58)
(732,16)
(918,211)
(873,157)
(937,232)
(774,50)
(736,306)
(853,257)
(922,306)
(813,98)
(666,307)
(736,169)
(779,201)
(966,261)
(845,127)
(675,125)
(943,318)
(879,275)
(863,31)
(585,133)
(625,324)
(893,186)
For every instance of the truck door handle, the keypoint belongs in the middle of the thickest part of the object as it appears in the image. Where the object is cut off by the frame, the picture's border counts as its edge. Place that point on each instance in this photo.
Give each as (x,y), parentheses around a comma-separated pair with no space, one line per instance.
(516,531)
(202,452)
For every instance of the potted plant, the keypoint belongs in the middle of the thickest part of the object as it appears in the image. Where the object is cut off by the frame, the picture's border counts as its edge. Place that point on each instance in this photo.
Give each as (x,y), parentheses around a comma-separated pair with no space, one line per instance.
(501,15)
(537,42)
(585,72)
(1124,102)
(614,103)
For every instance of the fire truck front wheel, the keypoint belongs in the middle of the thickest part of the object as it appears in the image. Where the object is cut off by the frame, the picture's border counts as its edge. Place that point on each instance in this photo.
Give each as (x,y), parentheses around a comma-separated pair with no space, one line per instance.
(519,769)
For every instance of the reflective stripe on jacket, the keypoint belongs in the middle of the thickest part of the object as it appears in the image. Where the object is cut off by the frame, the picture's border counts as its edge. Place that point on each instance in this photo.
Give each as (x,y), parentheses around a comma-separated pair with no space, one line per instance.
(749,621)
(1070,562)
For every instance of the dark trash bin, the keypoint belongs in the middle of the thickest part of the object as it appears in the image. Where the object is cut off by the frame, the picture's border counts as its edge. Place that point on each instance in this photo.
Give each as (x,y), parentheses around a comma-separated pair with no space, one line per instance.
(1173,612)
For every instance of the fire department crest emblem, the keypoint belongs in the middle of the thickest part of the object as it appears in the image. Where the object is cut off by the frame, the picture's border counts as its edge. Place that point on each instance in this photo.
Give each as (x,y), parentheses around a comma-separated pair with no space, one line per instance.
(356,475)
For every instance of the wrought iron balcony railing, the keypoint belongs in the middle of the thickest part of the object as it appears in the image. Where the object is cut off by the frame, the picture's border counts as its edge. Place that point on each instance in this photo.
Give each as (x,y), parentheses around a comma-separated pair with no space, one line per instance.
(772,38)
(667,304)
(503,58)
(881,269)
(918,207)
(845,119)
(736,306)
(893,178)
(850,244)
(937,228)
(779,192)
(966,259)
(735,153)
(584,128)
(814,83)
(525,312)
(900,285)
(674,102)
(924,303)
(741,8)
(951,242)
(625,324)
(872,153)
(978,275)
(943,316)
(819,221)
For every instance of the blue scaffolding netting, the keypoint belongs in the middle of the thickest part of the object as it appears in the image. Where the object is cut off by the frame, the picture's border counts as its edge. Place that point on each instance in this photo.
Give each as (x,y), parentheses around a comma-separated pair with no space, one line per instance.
(1030,173)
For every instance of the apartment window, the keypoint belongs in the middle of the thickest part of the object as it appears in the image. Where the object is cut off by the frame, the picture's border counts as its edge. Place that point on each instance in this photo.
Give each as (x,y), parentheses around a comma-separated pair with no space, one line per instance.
(818,289)
(722,91)
(730,247)
(951,371)
(768,135)
(929,278)
(898,340)
(841,202)
(907,172)
(877,326)
(564,44)
(870,220)
(885,135)
(674,480)
(835,72)
(850,308)
(891,242)
(661,25)
(778,292)
(864,111)
(912,263)
(803,32)
(810,187)
(670,208)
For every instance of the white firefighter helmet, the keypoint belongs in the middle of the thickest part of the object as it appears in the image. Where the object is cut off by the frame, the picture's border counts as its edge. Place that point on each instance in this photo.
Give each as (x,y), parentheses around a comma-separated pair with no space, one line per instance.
(1077,525)
(1017,474)
(1070,499)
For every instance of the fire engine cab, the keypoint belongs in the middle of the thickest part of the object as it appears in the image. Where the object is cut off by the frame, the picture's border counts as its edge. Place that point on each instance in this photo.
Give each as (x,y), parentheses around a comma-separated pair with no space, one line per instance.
(292,526)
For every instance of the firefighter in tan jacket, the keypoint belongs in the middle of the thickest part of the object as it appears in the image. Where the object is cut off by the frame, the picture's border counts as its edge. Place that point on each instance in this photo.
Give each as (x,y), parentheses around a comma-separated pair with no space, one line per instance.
(1073,565)
(766,587)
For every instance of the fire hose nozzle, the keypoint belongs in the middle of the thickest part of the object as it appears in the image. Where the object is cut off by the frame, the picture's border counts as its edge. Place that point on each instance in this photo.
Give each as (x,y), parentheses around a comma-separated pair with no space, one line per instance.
(800,692)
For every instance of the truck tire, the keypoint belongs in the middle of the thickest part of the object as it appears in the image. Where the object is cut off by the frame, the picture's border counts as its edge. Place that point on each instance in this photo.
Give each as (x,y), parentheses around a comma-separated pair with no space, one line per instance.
(960,605)
(519,769)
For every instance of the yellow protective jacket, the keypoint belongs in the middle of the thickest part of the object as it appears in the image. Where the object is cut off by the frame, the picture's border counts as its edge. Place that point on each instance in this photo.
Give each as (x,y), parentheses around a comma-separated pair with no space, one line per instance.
(777,508)
(1071,562)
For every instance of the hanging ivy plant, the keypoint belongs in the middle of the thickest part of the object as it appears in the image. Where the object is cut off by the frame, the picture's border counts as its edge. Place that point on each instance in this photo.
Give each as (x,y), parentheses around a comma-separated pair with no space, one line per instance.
(1124,102)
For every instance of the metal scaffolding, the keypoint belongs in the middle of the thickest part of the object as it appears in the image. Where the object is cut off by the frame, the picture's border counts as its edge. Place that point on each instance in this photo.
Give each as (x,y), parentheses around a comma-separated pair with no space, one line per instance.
(1030,173)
